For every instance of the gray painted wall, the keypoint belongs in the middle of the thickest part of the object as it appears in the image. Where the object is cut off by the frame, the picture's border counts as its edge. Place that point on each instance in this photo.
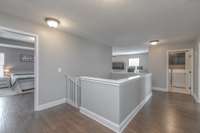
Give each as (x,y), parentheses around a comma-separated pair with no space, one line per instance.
(158,61)
(75,55)
(12,58)
(132,93)
(114,101)
(124,58)
(101,98)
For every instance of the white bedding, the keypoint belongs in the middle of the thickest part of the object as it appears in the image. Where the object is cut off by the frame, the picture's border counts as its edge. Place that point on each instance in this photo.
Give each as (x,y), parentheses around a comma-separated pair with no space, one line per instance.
(22,81)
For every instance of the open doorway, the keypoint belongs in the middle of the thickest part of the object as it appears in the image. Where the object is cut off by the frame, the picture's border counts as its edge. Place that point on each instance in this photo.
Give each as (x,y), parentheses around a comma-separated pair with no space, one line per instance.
(18,67)
(180,71)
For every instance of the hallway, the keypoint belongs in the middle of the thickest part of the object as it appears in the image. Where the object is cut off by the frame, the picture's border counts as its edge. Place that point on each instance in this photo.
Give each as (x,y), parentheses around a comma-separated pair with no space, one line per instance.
(164,113)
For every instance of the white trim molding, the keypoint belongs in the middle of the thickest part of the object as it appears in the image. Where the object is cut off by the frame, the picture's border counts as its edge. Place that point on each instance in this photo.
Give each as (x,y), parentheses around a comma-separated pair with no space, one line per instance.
(130,53)
(196,98)
(192,74)
(70,102)
(198,90)
(129,118)
(160,89)
(51,104)
(118,128)
(16,46)
(36,64)
(105,122)
(178,90)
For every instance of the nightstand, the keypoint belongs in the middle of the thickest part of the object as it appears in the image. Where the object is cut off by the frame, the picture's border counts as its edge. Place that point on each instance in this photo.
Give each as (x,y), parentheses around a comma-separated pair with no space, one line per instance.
(5,82)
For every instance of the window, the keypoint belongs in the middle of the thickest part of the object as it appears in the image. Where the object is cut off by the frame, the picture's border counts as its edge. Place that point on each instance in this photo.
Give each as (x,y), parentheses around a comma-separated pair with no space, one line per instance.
(1,64)
(134,62)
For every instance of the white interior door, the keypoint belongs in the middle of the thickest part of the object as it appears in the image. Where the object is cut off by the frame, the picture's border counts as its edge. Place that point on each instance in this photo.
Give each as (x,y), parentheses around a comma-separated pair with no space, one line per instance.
(188,69)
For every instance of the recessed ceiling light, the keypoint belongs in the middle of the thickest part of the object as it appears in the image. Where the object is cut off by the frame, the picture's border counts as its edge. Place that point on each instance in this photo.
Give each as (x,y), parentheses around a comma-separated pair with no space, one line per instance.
(52,22)
(154,42)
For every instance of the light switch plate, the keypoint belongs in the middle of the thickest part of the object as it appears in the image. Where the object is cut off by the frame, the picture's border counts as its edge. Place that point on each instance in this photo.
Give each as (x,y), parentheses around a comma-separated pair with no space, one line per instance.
(59,69)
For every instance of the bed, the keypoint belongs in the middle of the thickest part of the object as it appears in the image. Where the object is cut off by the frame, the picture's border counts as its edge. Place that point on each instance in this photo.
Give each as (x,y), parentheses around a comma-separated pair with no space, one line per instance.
(22,81)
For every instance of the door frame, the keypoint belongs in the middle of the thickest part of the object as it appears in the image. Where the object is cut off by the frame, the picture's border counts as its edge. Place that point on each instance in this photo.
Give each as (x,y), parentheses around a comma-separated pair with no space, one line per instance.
(36,63)
(192,74)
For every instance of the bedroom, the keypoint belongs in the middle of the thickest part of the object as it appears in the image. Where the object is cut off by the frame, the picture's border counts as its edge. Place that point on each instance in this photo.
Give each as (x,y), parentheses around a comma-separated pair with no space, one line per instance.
(16,64)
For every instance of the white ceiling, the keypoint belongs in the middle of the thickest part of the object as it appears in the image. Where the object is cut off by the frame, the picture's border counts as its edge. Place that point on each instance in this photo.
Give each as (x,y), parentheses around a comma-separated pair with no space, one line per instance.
(123,24)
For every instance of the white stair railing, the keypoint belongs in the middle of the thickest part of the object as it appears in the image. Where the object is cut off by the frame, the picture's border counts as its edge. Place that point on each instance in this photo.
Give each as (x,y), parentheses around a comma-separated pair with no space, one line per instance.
(73,91)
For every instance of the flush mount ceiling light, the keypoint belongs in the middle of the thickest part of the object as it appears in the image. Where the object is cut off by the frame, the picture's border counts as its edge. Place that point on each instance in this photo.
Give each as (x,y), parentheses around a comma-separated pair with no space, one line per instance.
(52,22)
(154,42)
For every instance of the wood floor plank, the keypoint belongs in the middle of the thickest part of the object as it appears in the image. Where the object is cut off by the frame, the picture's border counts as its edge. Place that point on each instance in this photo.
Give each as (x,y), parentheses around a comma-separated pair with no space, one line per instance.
(164,113)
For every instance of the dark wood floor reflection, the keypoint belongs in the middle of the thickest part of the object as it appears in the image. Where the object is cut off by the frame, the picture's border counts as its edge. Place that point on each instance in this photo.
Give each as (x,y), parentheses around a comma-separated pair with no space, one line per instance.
(164,113)
(167,113)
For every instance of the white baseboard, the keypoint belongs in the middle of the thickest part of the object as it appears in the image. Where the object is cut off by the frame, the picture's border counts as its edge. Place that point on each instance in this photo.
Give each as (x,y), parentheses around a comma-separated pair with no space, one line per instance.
(196,98)
(118,128)
(107,123)
(178,90)
(128,119)
(51,104)
(68,101)
(159,89)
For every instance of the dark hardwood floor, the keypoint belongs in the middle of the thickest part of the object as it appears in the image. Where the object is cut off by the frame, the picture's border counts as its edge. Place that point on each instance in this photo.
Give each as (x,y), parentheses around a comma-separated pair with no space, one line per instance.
(167,113)
(164,113)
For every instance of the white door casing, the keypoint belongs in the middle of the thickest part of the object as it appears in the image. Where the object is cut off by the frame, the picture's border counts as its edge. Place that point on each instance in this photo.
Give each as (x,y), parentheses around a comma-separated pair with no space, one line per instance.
(187,74)
(188,69)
